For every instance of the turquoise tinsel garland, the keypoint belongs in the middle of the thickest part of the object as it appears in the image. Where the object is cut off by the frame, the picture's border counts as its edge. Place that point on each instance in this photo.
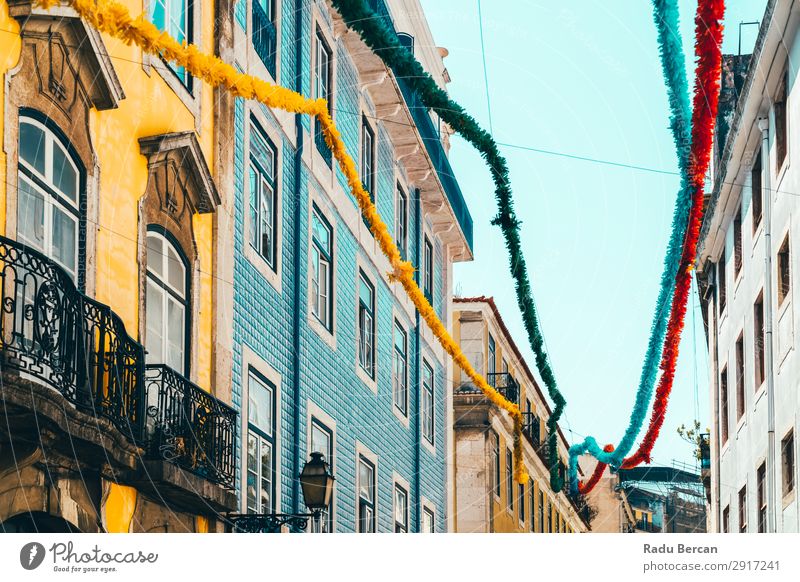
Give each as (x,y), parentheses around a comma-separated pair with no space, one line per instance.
(673,63)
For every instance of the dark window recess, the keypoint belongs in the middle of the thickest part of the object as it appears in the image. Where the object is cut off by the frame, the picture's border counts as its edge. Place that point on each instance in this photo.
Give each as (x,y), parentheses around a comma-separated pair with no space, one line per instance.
(723,404)
(265,37)
(757,194)
(726,520)
(761,478)
(787,463)
(758,340)
(739,377)
(743,510)
(781,123)
(784,272)
(737,243)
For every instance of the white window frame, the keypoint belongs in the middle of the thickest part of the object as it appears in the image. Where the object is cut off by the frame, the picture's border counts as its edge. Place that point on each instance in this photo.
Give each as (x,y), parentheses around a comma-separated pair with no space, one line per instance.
(399,490)
(53,199)
(363,453)
(168,293)
(317,417)
(263,436)
(428,404)
(361,319)
(401,220)
(322,303)
(400,369)
(429,509)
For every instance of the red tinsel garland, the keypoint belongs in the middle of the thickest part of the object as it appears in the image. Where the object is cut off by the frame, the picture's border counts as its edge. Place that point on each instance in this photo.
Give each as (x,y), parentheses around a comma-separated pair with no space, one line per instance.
(708,39)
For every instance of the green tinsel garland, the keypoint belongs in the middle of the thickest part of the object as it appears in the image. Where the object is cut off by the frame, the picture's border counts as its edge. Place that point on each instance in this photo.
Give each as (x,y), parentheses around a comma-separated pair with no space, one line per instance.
(384,42)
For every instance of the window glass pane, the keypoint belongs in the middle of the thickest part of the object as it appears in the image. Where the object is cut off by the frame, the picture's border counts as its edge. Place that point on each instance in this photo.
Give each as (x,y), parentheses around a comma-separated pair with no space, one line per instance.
(321,442)
(365,473)
(321,233)
(65,235)
(260,404)
(400,506)
(65,178)
(254,204)
(324,278)
(158,14)
(252,499)
(177,9)
(262,152)
(155,255)
(266,477)
(154,306)
(365,293)
(176,331)
(176,275)
(30,215)
(31,146)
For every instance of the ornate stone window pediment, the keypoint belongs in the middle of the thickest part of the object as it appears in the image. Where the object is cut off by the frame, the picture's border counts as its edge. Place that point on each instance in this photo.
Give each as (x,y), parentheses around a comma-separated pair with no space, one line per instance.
(70,56)
(180,175)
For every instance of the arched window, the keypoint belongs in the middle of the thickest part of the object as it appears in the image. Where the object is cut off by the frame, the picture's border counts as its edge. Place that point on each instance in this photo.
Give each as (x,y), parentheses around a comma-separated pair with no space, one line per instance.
(48,204)
(166,304)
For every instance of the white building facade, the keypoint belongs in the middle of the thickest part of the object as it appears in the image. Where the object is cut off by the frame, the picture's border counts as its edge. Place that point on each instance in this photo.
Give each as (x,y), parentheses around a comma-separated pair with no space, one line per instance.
(747,261)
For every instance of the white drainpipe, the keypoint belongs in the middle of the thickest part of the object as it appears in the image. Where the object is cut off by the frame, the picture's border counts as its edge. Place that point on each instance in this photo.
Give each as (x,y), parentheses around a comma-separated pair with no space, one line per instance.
(763,125)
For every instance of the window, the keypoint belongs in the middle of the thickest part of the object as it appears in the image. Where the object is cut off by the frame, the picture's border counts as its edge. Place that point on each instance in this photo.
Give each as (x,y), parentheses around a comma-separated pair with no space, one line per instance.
(428,411)
(726,519)
(166,302)
(492,363)
(401,221)
(48,205)
(521,489)
(784,273)
(366,325)
(541,511)
(758,340)
(510,479)
(781,123)
(323,84)
(428,520)
(264,34)
(322,442)
(739,377)
(737,243)
(548,516)
(496,459)
(366,496)
(260,444)
(761,490)
(262,195)
(723,403)
(321,269)
(533,506)
(721,272)
(368,158)
(787,463)
(400,510)
(427,270)
(173,17)
(743,510)
(757,194)
(400,369)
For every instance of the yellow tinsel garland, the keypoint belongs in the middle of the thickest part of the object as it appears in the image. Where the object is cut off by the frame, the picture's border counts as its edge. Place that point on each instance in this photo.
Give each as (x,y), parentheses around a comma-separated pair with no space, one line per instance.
(114,19)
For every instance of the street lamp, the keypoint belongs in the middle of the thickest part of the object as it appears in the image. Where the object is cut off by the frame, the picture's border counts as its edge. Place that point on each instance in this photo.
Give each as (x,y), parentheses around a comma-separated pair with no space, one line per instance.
(316,482)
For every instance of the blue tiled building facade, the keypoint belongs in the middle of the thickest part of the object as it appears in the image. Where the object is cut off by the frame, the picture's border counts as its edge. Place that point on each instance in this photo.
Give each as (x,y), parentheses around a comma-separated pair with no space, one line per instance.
(327,354)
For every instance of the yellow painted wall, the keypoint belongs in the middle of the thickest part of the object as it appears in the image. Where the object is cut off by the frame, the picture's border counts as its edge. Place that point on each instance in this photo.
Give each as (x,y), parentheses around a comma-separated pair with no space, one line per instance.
(118,508)
(9,56)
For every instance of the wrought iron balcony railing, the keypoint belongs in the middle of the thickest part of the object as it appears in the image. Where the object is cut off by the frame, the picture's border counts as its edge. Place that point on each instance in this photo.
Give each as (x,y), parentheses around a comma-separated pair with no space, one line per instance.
(189,427)
(53,333)
(505,384)
(431,138)
(265,37)
(531,428)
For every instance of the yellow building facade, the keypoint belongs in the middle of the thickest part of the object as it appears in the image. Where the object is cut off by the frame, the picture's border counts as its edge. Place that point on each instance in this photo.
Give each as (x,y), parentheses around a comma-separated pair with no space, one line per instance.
(111,337)
(487,499)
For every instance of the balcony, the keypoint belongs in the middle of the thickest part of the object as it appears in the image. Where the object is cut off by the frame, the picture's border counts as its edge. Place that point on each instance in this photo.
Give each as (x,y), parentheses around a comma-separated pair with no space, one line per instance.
(189,427)
(265,37)
(505,384)
(54,334)
(643,525)
(57,341)
(531,429)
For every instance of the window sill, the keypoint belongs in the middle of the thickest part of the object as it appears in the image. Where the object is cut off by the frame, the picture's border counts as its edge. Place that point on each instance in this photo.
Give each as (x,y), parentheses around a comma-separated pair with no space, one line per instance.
(371,383)
(740,424)
(427,444)
(759,394)
(259,262)
(788,499)
(757,236)
(326,335)
(399,415)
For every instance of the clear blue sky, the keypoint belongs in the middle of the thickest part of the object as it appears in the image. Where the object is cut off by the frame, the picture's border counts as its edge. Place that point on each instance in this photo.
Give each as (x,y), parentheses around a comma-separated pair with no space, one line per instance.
(582,78)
